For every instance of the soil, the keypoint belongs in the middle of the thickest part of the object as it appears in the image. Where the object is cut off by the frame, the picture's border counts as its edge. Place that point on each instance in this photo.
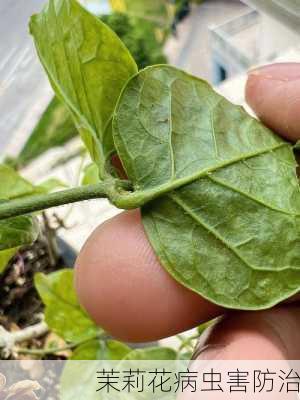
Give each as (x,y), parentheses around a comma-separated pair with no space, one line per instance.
(20,304)
(19,301)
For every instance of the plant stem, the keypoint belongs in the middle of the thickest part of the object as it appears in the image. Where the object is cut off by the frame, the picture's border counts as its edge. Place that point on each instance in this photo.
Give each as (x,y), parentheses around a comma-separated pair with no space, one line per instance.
(26,205)
(53,350)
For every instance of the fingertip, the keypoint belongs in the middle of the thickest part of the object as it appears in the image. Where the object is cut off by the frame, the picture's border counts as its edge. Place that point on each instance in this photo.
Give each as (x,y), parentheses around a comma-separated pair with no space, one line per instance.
(263,335)
(126,291)
(273,92)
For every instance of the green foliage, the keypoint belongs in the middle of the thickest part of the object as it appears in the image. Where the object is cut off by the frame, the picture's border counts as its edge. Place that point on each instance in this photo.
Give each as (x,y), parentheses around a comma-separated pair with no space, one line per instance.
(90,77)
(56,126)
(23,230)
(229,230)
(151,353)
(75,372)
(219,193)
(159,12)
(110,350)
(101,350)
(90,175)
(139,37)
(63,313)
(18,231)
(6,256)
(13,185)
(50,185)
(54,129)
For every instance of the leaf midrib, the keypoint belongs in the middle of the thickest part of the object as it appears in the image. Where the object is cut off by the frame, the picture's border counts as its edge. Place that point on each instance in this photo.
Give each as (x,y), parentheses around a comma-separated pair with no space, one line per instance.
(141,197)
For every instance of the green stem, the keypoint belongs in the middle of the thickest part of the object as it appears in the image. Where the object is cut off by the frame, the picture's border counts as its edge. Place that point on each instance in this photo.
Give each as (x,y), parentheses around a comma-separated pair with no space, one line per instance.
(53,350)
(26,205)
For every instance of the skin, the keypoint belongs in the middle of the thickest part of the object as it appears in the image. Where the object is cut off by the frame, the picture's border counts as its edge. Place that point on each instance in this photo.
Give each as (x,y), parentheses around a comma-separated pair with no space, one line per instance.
(124,288)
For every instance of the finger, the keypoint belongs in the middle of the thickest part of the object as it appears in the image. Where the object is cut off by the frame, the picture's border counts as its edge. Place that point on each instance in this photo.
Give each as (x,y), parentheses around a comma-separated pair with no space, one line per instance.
(126,291)
(273,92)
(264,335)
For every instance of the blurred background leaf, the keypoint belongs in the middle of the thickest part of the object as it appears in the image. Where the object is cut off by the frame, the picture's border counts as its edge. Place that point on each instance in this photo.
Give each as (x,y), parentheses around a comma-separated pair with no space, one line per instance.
(101,350)
(63,313)
(144,40)
(54,129)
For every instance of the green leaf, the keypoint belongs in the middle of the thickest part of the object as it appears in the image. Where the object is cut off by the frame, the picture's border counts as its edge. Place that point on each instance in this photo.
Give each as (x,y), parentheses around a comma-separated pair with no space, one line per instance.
(101,350)
(15,232)
(6,256)
(12,184)
(76,371)
(90,175)
(63,313)
(18,231)
(77,380)
(54,129)
(50,185)
(226,219)
(159,12)
(87,65)
(151,353)
(139,36)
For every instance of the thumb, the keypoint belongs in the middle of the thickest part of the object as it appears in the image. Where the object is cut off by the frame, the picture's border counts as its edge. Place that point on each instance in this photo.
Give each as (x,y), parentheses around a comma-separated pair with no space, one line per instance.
(273,92)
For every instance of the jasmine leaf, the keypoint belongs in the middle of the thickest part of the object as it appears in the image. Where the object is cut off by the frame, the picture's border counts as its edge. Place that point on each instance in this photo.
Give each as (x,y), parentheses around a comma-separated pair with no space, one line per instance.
(151,353)
(87,65)
(158,12)
(76,371)
(12,184)
(90,175)
(101,350)
(50,185)
(225,222)
(63,313)
(17,231)
(54,129)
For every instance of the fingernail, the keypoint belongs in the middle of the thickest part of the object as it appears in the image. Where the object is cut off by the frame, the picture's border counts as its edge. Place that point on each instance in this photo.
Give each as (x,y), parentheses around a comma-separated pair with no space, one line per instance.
(284,72)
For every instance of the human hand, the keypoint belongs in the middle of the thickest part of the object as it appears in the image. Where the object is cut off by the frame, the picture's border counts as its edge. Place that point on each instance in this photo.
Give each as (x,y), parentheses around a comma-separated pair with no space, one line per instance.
(122,285)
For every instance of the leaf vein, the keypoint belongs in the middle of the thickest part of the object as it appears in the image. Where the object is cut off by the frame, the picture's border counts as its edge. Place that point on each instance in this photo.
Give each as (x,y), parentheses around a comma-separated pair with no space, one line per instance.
(245,194)
(216,234)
